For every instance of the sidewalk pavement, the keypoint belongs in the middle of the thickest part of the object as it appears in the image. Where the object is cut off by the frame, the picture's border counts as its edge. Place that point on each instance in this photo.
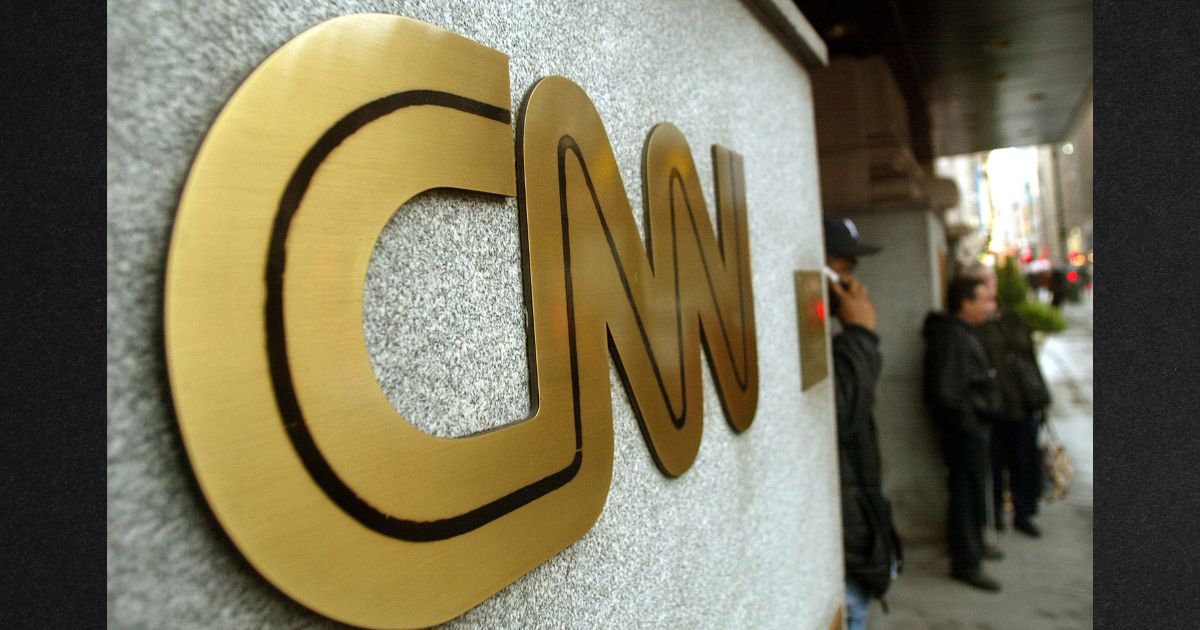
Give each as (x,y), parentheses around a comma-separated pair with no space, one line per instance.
(1047,582)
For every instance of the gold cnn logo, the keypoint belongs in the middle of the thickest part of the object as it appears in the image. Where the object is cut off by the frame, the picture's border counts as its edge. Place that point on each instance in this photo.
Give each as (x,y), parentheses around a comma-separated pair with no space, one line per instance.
(333,496)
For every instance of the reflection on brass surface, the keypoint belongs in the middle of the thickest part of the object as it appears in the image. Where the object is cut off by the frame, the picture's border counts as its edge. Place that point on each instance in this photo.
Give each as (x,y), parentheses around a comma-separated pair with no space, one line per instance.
(811,315)
(330,493)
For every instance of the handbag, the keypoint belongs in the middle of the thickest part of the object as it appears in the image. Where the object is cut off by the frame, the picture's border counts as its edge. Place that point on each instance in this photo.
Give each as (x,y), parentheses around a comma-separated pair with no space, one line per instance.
(1034,393)
(1059,472)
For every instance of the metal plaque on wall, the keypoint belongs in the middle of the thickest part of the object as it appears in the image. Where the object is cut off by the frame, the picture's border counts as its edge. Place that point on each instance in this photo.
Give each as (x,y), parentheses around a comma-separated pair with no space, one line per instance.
(811,317)
(332,495)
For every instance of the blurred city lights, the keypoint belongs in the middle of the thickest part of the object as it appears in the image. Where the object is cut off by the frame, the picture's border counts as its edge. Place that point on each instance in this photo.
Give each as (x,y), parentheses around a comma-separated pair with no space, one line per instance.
(1007,210)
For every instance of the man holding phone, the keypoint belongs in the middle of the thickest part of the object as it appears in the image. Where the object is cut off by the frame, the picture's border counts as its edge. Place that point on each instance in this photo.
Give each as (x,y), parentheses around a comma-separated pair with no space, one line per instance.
(872,550)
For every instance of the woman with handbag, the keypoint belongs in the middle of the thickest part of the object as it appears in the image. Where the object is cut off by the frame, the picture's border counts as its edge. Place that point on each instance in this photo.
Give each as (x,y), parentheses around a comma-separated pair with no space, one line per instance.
(1014,448)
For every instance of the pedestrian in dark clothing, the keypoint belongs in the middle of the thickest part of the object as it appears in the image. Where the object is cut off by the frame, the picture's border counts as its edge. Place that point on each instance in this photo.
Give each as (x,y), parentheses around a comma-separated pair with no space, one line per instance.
(1009,346)
(1058,287)
(962,396)
(871,548)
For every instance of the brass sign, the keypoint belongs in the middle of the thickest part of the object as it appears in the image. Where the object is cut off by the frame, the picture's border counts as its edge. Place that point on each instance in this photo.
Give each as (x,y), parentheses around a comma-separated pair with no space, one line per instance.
(331,494)
(811,315)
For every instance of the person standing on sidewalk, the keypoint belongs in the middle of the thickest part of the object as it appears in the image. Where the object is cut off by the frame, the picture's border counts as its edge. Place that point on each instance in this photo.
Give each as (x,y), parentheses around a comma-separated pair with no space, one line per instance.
(1009,346)
(871,548)
(962,396)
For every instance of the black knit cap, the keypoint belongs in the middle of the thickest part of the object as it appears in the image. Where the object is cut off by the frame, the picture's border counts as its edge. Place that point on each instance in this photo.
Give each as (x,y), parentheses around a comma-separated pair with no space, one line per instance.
(841,239)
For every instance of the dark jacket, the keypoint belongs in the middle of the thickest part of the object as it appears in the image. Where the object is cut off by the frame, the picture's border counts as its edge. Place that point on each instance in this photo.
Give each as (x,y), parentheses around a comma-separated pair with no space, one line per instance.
(871,546)
(961,390)
(1007,342)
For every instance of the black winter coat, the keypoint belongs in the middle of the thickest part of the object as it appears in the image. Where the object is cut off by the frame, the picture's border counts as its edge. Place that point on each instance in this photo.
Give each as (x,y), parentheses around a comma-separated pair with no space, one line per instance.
(961,390)
(1007,342)
(870,544)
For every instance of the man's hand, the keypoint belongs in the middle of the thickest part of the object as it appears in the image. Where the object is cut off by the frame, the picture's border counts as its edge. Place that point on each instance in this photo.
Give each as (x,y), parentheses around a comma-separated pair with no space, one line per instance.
(854,307)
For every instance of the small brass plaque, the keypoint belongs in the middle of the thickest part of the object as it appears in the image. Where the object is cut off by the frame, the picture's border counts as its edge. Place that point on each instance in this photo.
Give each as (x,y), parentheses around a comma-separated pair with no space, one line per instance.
(811,315)
(333,496)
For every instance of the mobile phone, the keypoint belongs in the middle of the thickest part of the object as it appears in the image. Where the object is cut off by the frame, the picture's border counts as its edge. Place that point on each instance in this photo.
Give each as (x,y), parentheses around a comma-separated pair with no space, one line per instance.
(833,276)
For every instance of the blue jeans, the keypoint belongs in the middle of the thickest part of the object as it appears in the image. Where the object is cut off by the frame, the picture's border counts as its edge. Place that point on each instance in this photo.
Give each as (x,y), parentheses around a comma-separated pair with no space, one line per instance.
(857,605)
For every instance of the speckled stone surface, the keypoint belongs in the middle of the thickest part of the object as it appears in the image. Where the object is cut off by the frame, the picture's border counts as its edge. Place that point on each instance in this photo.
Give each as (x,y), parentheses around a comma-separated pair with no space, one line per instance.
(749,537)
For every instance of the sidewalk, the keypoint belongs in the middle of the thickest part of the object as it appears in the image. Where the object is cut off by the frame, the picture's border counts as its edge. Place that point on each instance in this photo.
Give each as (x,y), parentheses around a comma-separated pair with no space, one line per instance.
(1047,581)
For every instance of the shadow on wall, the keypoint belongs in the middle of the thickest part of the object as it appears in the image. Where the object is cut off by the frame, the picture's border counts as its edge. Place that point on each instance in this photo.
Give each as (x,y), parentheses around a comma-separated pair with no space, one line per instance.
(914,477)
